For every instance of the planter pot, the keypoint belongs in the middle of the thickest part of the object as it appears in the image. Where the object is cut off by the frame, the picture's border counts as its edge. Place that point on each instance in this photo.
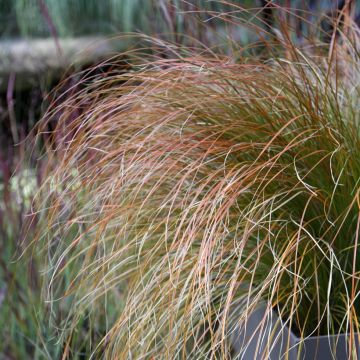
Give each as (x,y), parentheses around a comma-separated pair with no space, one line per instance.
(265,336)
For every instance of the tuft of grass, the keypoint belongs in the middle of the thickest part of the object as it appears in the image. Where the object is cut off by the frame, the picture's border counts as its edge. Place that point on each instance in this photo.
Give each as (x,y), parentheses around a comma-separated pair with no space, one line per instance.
(182,194)
(194,189)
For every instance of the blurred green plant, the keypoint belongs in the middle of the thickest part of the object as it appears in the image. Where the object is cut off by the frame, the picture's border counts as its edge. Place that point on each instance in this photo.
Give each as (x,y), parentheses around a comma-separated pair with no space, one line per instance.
(84,17)
(72,18)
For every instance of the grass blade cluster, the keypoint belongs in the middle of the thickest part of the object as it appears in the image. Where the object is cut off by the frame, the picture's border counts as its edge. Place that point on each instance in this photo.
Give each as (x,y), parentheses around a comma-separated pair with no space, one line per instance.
(183,194)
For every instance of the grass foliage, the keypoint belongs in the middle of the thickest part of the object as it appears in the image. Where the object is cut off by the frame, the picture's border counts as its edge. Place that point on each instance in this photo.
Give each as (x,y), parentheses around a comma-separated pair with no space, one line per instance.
(192,189)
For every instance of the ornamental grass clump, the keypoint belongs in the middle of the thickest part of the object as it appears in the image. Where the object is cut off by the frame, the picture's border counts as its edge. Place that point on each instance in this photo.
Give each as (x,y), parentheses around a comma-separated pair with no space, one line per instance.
(192,190)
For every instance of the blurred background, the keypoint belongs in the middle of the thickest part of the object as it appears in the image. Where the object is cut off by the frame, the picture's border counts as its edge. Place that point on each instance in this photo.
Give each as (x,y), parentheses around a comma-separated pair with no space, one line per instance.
(53,44)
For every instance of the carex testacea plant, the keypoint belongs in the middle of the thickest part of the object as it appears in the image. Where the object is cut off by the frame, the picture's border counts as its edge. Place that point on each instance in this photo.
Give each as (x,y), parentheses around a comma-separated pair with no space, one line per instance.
(183,193)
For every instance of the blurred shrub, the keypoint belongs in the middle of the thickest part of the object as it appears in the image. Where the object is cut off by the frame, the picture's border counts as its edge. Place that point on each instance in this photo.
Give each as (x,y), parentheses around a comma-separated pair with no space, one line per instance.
(83,17)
